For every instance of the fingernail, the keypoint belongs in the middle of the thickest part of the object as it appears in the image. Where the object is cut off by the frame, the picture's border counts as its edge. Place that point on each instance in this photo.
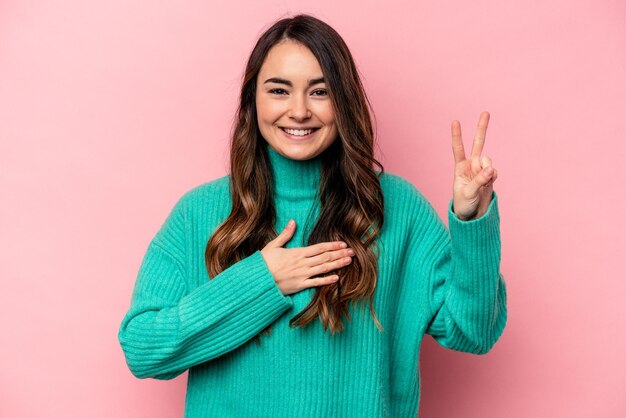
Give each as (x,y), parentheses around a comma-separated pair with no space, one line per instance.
(488,171)
(344,245)
(290,223)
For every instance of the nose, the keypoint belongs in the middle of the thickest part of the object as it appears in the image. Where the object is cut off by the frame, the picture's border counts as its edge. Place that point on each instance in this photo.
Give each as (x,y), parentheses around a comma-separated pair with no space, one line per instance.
(299,109)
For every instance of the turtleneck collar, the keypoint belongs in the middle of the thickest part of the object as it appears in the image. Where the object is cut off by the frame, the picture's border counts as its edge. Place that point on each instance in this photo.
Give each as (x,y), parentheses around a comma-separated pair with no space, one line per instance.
(295,179)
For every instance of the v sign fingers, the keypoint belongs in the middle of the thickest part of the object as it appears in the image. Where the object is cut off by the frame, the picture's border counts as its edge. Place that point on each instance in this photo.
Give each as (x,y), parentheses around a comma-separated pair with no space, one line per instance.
(481,133)
(473,175)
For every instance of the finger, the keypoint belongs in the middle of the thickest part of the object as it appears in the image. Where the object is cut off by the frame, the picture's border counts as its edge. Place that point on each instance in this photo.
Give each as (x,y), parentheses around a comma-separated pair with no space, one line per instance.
(482,179)
(476,166)
(457,142)
(494,177)
(285,235)
(329,256)
(481,133)
(485,162)
(478,163)
(321,281)
(322,247)
(329,266)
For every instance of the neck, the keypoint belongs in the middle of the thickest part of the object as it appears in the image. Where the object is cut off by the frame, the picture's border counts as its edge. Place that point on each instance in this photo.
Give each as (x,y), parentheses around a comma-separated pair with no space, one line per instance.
(295,179)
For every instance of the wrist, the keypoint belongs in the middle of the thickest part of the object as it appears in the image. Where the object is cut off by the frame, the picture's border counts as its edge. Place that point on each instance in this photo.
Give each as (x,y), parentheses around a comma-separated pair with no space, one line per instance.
(466,218)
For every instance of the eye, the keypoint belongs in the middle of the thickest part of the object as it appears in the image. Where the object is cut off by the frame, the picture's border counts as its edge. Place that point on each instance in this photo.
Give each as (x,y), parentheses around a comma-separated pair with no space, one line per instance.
(320,92)
(278,91)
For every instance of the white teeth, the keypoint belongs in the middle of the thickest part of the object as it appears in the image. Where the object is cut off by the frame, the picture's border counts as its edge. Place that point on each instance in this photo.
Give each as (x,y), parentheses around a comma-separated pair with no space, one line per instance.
(298,132)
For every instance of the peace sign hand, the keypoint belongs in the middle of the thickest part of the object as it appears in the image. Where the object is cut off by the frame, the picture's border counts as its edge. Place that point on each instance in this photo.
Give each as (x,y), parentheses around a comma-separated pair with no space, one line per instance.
(473,177)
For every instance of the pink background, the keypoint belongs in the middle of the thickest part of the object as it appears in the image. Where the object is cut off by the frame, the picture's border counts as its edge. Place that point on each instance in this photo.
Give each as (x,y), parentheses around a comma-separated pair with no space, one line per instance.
(110,111)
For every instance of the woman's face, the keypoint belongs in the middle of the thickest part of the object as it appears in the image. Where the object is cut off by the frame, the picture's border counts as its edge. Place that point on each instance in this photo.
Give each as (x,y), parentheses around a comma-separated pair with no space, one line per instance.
(294,109)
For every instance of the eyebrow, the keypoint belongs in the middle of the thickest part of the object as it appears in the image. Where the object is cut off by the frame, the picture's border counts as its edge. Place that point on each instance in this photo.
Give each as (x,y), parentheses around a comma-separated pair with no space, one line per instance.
(290,84)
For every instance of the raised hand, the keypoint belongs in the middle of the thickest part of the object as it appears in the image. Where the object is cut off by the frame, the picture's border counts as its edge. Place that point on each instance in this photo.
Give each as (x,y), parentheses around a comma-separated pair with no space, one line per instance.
(295,269)
(473,177)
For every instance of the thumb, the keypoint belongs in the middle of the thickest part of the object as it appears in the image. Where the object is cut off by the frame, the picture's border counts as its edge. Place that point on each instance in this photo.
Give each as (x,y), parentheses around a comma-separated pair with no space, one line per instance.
(285,235)
(484,177)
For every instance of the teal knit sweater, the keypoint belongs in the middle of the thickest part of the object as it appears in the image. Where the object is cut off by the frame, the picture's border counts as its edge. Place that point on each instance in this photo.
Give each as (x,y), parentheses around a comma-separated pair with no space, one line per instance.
(431,280)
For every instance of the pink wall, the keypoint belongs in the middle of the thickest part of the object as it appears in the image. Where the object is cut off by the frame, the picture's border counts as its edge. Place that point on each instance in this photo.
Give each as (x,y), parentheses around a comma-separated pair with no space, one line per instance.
(109,111)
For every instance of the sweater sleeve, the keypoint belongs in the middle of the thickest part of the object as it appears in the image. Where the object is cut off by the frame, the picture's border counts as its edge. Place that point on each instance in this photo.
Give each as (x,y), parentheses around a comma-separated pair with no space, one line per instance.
(170,328)
(467,291)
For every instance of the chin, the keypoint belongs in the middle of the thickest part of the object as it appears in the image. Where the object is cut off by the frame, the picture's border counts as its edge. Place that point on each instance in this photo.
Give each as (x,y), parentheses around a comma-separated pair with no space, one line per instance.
(298,154)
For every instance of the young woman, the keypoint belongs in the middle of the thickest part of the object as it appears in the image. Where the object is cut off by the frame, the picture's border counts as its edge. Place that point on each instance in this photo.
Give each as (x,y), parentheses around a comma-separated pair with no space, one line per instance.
(275,324)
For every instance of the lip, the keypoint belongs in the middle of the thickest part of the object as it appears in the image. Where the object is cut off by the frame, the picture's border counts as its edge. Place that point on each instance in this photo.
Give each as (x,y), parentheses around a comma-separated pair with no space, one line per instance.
(299,127)
(299,137)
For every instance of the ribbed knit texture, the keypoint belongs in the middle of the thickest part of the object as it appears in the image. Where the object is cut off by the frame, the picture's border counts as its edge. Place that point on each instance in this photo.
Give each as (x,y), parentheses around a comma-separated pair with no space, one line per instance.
(430,280)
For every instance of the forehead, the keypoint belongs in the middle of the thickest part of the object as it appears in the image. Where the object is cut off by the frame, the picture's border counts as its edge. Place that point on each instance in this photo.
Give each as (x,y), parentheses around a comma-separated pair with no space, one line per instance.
(291,60)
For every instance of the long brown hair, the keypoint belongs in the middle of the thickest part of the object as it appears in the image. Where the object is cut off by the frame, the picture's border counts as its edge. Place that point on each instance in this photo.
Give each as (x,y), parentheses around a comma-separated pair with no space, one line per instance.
(350,192)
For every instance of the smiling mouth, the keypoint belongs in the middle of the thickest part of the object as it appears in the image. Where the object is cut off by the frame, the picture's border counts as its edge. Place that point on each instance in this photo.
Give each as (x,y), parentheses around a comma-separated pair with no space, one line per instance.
(299,132)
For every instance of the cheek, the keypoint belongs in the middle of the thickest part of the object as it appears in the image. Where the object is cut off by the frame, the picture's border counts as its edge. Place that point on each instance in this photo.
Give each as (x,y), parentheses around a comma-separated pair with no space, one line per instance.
(267,112)
(326,114)
(260,109)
